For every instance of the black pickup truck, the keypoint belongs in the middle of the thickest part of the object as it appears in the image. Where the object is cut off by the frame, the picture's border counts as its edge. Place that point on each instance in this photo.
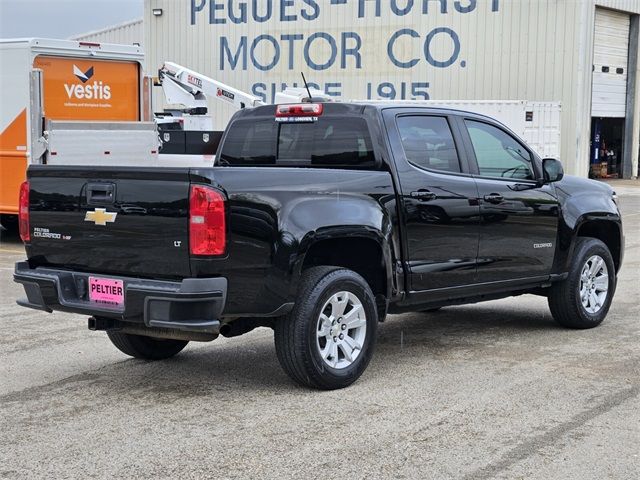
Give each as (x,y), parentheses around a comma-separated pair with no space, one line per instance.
(318,220)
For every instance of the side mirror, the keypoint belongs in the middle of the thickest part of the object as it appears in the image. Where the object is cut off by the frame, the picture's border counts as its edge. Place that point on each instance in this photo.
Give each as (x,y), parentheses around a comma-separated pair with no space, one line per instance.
(552,170)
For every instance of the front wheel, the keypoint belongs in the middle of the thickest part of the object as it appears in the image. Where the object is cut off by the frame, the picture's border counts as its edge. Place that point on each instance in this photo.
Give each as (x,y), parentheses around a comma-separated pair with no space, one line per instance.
(583,299)
(326,342)
(146,348)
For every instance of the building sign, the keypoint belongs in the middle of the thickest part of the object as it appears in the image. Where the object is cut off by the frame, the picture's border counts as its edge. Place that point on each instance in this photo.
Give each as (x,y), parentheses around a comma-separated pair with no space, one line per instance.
(280,38)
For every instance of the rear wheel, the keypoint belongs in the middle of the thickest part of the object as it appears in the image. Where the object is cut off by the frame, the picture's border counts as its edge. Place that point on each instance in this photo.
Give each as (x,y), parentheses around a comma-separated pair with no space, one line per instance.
(583,299)
(146,348)
(326,342)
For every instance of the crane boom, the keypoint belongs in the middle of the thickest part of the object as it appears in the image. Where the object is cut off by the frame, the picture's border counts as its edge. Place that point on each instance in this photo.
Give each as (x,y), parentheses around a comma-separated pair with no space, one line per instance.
(191,89)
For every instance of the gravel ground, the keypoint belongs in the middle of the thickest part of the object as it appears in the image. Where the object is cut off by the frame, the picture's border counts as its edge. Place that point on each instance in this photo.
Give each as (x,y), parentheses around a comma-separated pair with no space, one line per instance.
(493,390)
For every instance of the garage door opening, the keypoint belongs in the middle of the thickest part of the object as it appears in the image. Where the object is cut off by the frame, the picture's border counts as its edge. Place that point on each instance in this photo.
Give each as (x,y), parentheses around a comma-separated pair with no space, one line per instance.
(607,144)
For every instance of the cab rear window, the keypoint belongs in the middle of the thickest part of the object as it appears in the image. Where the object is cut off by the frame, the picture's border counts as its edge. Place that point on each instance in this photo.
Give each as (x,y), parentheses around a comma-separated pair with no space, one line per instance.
(329,142)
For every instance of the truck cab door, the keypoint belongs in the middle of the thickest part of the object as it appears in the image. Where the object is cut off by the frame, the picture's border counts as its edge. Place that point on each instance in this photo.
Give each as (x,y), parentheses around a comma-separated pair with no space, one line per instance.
(519,215)
(438,199)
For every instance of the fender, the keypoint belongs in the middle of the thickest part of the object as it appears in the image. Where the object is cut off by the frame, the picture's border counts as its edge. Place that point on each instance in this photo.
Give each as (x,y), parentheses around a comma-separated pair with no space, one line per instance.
(579,206)
(313,220)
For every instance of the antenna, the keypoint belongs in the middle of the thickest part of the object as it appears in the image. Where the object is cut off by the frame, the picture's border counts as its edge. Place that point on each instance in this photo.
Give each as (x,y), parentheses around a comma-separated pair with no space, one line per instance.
(306,86)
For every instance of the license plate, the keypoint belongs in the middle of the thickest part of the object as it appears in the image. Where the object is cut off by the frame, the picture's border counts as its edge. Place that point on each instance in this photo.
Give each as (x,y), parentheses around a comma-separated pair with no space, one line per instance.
(106,291)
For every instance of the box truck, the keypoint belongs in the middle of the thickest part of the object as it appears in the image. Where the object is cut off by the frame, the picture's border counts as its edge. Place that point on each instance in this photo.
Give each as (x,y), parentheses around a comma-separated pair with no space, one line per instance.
(80,102)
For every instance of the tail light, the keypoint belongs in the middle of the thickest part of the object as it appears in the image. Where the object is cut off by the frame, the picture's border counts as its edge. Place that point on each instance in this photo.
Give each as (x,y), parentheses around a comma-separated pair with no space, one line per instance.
(23,213)
(299,110)
(207,226)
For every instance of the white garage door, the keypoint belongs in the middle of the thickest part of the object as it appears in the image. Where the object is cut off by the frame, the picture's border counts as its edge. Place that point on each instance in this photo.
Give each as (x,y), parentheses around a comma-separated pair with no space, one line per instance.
(610,61)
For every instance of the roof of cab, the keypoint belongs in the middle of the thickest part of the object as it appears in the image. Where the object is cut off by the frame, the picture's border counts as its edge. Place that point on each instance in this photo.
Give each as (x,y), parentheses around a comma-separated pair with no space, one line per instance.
(357,107)
(417,104)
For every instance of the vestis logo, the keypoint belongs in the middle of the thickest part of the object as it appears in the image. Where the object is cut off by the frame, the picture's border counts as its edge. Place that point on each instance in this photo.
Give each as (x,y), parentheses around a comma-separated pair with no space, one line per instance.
(95,91)
(83,76)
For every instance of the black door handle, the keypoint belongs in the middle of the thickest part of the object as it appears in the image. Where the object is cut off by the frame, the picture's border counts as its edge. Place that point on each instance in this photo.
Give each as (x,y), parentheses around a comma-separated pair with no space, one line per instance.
(423,195)
(493,198)
(101,193)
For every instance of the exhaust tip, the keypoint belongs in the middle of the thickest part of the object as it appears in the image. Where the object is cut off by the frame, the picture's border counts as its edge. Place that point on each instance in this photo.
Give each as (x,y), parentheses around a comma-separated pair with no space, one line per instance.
(91,323)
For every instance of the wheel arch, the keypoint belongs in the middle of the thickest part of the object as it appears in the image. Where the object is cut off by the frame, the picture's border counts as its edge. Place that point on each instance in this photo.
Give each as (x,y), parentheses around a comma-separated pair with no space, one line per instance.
(607,229)
(363,250)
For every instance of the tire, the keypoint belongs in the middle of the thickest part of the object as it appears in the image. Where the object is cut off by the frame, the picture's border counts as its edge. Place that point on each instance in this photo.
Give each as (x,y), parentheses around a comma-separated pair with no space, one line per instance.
(565,297)
(146,348)
(306,354)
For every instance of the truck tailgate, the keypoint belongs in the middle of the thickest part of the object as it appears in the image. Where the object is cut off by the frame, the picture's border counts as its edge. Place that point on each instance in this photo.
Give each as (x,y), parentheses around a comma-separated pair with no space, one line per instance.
(112,220)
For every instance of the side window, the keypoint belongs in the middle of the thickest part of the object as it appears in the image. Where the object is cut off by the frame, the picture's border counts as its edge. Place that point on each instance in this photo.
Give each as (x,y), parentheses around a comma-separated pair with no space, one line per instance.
(428,142)
(498,153)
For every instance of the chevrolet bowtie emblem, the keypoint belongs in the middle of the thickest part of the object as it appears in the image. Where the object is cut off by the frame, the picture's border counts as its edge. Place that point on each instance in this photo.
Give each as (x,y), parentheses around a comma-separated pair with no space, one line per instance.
(100,216)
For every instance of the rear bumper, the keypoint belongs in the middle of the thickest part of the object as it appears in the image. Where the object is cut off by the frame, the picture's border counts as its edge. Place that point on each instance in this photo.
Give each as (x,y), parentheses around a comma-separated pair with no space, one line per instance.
(193,304)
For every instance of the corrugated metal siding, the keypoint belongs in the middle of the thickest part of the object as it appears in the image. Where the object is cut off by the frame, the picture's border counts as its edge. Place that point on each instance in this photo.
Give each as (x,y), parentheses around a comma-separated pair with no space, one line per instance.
(126,33)
(610,62)
(629,6)
(536,50)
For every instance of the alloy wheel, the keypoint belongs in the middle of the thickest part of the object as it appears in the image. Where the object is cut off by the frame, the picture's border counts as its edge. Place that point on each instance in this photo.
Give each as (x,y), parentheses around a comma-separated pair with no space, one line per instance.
(341,330)
(594,284)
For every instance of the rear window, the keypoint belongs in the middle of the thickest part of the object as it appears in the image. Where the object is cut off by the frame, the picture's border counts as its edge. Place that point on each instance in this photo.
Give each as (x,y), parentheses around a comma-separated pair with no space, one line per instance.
(329,142)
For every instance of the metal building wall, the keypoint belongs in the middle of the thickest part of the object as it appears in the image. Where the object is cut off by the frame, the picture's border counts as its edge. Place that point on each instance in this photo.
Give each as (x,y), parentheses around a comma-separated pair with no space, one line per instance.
(539,50)
(126,33)
(630,6)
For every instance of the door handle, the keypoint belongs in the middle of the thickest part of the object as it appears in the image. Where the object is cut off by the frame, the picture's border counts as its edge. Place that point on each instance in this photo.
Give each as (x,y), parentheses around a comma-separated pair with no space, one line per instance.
(423,195)
(493,198)
(101,193)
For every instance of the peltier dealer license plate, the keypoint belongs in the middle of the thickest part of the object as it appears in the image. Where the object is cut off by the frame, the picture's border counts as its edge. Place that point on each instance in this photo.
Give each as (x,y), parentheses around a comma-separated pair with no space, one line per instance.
(106,291)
